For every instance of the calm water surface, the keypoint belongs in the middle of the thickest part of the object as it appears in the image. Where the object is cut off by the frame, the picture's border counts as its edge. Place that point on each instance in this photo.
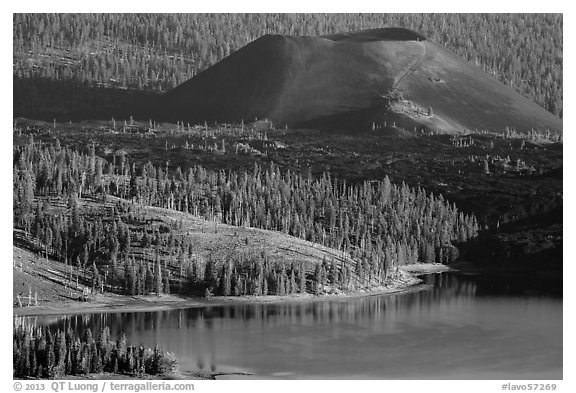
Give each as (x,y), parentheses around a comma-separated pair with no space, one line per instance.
(457,326)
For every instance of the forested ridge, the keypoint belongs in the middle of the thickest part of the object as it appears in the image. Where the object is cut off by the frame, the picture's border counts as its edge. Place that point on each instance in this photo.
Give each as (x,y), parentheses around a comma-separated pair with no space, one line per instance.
(379,224)
(156,52)
(41,353)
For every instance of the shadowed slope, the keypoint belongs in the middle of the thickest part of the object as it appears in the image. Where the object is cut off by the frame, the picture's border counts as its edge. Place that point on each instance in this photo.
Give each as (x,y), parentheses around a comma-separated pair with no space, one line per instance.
(350,81)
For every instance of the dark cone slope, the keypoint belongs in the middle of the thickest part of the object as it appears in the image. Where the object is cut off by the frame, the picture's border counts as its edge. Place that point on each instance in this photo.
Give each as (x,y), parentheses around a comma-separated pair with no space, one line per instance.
(352,81)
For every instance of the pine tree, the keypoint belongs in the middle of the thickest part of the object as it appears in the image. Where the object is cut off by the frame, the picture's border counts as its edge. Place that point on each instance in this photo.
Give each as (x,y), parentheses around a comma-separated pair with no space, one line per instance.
(302,278)
(317,279)
(126,281)
(333,273)
(227,287)
(95,277)
(292,283)
(209,277)
(149,280)
(158,283)
(166,281)
(133,278)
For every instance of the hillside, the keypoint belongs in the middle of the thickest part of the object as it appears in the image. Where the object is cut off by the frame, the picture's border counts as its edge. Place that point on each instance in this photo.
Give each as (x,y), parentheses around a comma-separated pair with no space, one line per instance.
(352,81)
(138,234)
(53,283)
(459,92)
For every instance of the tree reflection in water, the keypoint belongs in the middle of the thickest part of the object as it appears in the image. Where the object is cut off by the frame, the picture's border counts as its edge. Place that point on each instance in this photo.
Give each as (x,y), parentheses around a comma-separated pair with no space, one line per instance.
(450,327)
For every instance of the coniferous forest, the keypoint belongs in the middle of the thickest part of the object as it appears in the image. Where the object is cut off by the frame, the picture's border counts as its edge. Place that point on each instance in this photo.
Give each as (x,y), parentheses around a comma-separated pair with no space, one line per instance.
(380,225)
(41,353)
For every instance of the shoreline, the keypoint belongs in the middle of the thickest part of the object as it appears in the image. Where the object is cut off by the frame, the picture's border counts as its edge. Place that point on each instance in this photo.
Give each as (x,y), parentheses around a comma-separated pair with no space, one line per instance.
(109,303)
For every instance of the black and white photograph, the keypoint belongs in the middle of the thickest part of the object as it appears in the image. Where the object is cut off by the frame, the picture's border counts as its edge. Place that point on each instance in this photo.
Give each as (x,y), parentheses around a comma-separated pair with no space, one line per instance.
(356,196)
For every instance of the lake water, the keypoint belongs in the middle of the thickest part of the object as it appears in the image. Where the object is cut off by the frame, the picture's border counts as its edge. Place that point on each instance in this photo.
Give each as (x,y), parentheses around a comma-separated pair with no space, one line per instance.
(456,326)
